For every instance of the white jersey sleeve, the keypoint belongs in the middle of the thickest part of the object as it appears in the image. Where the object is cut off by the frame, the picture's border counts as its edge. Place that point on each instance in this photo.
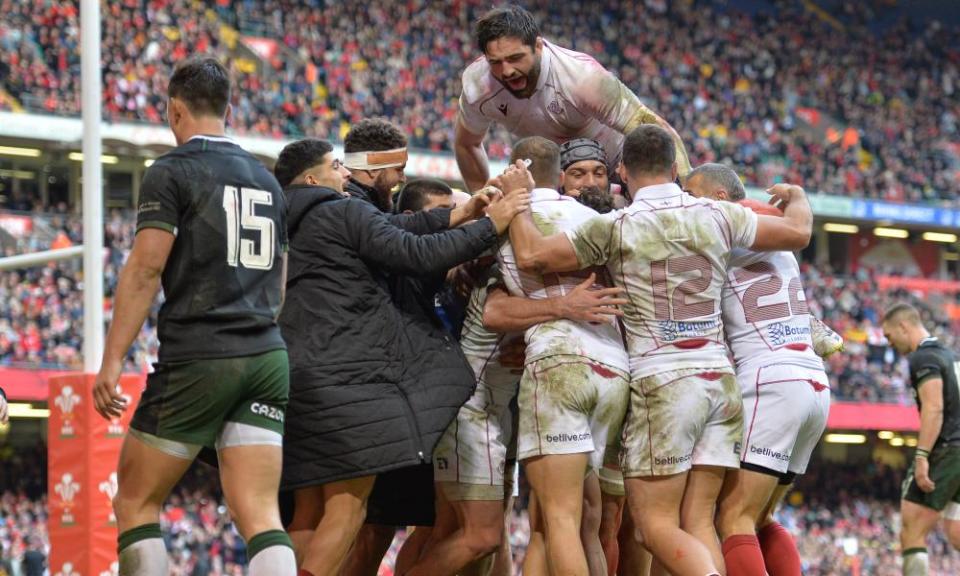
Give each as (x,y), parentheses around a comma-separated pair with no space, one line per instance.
(739,223)
(593,240)
(765,311)
(603,96)
(475,80)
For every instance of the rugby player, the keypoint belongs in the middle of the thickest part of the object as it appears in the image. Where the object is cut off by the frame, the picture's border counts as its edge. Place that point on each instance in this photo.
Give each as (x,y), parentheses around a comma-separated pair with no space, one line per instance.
(786,394)
(574,390)
(474,462)
(932,484)
(211,229)
(670,253)
(585,177)
(535,88)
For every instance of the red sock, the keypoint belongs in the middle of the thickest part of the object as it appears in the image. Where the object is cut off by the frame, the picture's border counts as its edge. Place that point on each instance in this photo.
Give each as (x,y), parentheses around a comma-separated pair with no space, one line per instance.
(779,550)
(742,555)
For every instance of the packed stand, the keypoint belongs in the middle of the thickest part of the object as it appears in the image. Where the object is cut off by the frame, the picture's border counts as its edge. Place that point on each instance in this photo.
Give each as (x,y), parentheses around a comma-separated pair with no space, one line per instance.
(733,87)
(853,305)
(846,520)
(41,308)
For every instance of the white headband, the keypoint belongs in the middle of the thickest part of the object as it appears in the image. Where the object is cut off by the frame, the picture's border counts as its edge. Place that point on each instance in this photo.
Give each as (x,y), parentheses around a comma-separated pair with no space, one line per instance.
(376,160)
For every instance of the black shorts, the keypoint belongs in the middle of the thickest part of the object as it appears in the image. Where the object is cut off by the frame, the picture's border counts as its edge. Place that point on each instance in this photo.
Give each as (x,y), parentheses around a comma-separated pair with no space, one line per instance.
(945,473)
(403,497)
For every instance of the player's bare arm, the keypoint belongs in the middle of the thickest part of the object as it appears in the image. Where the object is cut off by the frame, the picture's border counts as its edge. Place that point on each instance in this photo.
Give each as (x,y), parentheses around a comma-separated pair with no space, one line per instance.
(471,157)
(506,313)
(138,285)
(793,231)
(931,421)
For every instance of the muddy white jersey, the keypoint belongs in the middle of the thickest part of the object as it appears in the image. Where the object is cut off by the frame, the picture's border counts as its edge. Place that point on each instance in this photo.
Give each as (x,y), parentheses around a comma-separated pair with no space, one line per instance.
(765,311)
(601,341)
(480,346)
(670,252)
(576,97)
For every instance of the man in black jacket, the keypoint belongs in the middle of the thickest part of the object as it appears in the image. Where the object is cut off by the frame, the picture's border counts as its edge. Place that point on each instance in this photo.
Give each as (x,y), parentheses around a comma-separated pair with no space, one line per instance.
(375,152)
(367,395)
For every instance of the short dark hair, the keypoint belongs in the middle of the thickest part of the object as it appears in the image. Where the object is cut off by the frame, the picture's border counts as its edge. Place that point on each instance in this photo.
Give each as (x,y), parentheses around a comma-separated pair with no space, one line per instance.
(413,197)
(649,149)
(299,156)
(902,310)
(203,84)
(594,197)
(723,176)
(545,160)
(509,21)
(373,134)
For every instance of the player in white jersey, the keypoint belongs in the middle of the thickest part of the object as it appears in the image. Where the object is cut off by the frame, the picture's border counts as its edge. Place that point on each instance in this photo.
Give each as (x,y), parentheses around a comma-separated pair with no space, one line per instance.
(535,88)
(574,390)
(474,455)
(786,394)
(670,253)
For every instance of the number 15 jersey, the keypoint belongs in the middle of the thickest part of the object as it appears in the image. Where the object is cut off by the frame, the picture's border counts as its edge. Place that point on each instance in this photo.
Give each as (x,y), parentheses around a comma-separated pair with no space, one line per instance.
(670,252)
(222,280)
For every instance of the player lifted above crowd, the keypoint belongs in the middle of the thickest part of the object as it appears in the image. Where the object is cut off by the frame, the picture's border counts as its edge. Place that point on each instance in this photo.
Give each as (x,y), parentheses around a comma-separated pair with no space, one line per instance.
(536,88)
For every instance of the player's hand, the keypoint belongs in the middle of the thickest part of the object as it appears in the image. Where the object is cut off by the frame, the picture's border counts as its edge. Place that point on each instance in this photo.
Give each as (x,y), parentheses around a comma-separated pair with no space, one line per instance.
(921,473)
(473,209)
(502,210)
(513,355)
(516,177)
(585,304)
(4,411)
(781,195)
(107,398)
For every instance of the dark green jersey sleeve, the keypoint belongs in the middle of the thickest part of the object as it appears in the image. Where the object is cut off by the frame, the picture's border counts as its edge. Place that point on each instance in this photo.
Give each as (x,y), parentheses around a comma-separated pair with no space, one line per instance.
(925,364)
(159,205)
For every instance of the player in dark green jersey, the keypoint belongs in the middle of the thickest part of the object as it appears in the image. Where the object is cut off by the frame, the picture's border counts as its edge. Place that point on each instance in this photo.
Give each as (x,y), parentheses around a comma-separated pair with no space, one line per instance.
(211,229)
(932,485)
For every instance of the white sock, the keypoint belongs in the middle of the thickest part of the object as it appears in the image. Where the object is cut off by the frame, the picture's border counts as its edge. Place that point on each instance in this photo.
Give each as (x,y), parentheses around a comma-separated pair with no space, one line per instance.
(275,560)
(916,564)
(146,557)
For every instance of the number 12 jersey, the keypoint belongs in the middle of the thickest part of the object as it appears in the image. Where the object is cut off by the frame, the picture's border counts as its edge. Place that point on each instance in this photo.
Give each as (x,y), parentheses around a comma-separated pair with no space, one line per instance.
(222,281)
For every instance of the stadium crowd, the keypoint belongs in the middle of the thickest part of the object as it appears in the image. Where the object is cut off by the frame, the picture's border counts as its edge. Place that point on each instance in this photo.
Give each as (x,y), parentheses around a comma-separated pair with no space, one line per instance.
(844,517)
(773,92)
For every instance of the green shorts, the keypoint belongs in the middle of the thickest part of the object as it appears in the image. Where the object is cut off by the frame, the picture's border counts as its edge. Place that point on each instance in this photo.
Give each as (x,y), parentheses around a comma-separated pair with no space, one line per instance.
(198,402)
(945,473)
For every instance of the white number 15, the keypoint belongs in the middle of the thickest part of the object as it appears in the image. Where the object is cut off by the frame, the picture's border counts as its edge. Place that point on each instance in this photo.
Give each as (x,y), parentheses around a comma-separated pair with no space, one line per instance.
(240,206)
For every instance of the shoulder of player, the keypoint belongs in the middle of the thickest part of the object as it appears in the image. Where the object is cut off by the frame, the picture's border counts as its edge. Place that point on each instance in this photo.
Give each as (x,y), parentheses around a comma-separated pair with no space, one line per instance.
(478,84)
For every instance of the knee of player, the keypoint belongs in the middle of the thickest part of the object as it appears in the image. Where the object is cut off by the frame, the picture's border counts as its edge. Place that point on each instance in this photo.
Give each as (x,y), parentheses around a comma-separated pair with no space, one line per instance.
(485,539)
(592,515)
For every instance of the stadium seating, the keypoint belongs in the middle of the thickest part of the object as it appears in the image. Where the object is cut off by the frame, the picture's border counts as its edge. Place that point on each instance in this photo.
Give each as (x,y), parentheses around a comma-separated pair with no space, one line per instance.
(785,97)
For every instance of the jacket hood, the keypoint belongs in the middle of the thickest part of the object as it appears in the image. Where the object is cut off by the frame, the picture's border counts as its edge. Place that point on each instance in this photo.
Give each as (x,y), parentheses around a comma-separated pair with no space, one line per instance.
(302,198)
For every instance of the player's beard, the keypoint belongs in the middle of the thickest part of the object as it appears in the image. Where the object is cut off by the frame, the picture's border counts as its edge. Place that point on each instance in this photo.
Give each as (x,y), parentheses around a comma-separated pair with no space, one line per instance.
(533,77)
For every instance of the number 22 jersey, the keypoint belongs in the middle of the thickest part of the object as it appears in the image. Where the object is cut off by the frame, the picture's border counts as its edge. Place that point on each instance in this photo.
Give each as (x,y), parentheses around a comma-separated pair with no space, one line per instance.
(222,281)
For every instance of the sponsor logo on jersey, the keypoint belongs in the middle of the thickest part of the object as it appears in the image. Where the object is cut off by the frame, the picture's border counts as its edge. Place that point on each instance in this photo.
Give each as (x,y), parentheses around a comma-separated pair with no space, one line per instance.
(673,330)
(555,107)
(737,448)
(782,334)
(268,411)
(503,108)
(443,464)
(67,489)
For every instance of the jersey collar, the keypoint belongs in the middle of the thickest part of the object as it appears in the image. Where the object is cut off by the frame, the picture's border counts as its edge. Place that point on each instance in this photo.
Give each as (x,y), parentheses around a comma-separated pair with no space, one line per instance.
(928,340)
(226,139)
(546,61)
(657,192)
